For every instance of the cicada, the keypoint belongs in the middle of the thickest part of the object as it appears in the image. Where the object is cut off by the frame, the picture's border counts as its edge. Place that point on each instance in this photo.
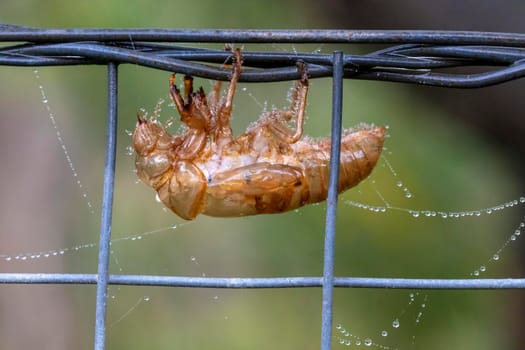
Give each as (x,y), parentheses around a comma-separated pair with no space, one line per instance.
(270,168)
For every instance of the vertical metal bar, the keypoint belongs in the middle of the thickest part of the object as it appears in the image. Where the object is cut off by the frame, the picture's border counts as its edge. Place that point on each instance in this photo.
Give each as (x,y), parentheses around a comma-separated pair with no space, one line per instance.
(107,209)
(331,208)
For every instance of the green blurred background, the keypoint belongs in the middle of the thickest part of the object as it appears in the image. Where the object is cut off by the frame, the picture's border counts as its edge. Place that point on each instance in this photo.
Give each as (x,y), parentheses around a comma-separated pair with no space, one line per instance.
(455,150)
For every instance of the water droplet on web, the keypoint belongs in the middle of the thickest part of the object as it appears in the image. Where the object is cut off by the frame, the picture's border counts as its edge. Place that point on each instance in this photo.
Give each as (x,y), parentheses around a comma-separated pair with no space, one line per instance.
(476,273)
(60,140)
(414,213)
(384,333)
(495,257)
(517,232)
(368,342)
(157,198)
(146,298)
(338,326)
(341,341)
(482,268)
(399,184)
(395,323)
(348,342)
(129,150)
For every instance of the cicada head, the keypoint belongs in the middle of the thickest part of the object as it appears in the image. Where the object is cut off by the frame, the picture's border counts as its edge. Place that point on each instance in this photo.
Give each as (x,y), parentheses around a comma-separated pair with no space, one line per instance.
(150,135)
(152,146)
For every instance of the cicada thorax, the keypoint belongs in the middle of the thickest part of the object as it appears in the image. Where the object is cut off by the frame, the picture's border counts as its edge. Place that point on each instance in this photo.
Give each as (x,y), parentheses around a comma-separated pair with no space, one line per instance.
(360,151)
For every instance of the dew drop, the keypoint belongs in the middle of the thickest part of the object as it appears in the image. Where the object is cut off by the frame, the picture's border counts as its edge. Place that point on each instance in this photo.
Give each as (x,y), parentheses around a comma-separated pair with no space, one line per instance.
(8,258)
(399,184)
(476,273)
(368,342)
(384,333)
(495,257)
(414,213)
(146,298)
(338,326)
(517,232)
(358,342)
(157,198)
(522,199)
(348,342)
(395,324)
(341,341)
(482,269)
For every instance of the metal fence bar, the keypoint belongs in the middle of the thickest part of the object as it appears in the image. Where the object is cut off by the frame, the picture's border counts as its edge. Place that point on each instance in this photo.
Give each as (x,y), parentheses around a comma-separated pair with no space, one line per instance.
(107,210)
(417,64)
(21,33)
(331,201)
(266,282)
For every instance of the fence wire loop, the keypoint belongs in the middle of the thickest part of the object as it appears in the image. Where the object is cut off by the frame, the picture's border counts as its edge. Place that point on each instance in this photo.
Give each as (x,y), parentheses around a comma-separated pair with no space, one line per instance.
(417,57)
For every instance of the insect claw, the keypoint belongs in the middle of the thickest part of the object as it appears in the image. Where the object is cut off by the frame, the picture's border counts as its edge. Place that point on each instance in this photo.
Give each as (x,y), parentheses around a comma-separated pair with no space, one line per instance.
(237,58)
(172,81)
(140,118)
(303,71)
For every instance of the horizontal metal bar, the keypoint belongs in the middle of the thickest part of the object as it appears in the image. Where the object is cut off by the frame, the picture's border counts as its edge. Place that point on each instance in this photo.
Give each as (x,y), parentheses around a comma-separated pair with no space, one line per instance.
(270,282)
(21,33)
(74,53)
(385,65)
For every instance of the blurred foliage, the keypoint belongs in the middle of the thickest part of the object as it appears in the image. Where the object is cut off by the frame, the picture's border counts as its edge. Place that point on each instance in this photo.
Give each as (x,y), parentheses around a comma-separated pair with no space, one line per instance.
(446,166)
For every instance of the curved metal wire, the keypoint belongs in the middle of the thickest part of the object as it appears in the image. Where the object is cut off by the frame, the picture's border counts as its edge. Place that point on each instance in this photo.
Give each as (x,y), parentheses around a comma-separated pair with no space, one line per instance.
(424,61)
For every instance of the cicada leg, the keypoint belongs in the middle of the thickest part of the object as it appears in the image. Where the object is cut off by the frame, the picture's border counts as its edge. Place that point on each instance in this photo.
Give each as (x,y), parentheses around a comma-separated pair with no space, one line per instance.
(195,113)
(296,111)
(223,131)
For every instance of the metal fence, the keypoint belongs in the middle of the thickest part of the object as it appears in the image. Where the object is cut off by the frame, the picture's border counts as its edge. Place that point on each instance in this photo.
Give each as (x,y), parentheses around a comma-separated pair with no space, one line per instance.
(417,57)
